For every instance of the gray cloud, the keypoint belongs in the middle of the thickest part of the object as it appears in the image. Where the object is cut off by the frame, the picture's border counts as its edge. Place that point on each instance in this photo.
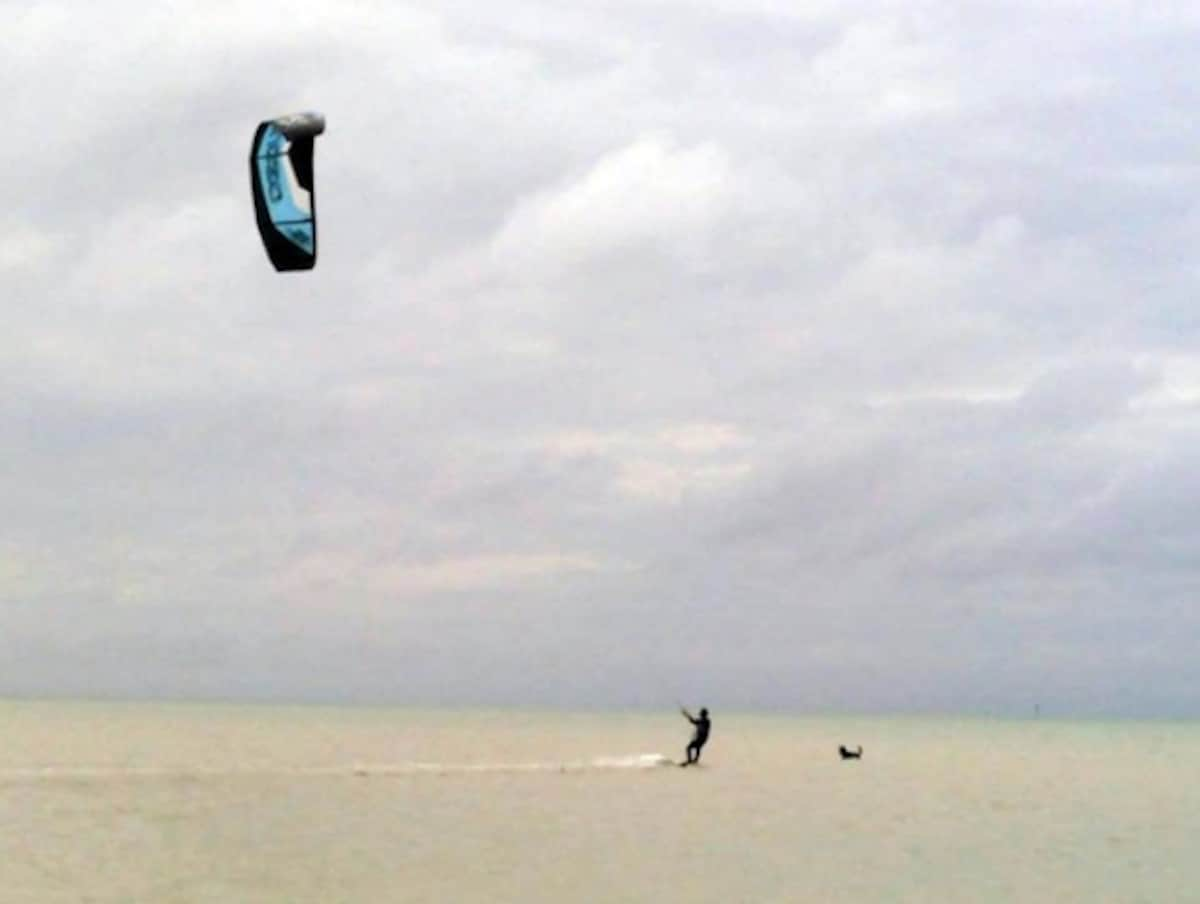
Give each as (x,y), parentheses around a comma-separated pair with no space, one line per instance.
(825,358)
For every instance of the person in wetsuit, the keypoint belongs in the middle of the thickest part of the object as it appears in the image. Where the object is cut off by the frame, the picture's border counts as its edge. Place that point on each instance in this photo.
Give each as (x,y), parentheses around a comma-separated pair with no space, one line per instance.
(699,739)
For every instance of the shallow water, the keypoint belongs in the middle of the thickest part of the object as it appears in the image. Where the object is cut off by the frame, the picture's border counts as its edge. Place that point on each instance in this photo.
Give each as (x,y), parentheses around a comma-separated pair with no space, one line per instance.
(198,803)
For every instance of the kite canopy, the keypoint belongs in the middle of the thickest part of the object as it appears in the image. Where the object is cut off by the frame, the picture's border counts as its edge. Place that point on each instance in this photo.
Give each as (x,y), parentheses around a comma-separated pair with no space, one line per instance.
(281,178)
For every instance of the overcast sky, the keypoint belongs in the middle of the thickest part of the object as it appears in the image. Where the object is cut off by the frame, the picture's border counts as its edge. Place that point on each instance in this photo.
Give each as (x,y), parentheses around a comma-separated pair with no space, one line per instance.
(802,355)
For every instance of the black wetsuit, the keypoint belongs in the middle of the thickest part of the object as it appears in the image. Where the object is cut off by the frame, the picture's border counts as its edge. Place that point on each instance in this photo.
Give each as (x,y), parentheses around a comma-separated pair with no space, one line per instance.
(699,739)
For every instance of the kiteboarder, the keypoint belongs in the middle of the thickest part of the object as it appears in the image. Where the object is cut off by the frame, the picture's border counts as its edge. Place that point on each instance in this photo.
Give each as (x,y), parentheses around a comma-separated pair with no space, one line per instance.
(699,739)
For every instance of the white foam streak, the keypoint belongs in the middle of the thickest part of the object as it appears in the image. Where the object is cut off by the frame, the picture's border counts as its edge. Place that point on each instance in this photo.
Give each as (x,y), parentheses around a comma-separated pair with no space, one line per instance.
(637,761)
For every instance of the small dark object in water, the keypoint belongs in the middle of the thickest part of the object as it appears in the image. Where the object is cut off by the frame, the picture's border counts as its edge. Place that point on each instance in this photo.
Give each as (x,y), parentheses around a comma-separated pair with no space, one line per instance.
(848,754)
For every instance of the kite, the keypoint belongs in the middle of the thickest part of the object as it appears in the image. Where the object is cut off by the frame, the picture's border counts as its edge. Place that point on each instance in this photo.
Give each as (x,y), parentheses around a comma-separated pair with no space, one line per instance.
(281,178)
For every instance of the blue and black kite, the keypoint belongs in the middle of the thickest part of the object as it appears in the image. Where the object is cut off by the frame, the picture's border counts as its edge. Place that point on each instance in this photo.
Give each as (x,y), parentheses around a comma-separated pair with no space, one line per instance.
(281,177)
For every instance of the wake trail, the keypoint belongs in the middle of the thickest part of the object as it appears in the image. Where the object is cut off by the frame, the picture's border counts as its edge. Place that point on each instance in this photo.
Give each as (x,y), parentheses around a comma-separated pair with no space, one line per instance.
(638,762)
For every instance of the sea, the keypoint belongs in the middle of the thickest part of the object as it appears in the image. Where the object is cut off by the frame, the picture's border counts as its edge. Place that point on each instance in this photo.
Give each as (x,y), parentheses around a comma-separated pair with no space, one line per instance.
(155,802)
